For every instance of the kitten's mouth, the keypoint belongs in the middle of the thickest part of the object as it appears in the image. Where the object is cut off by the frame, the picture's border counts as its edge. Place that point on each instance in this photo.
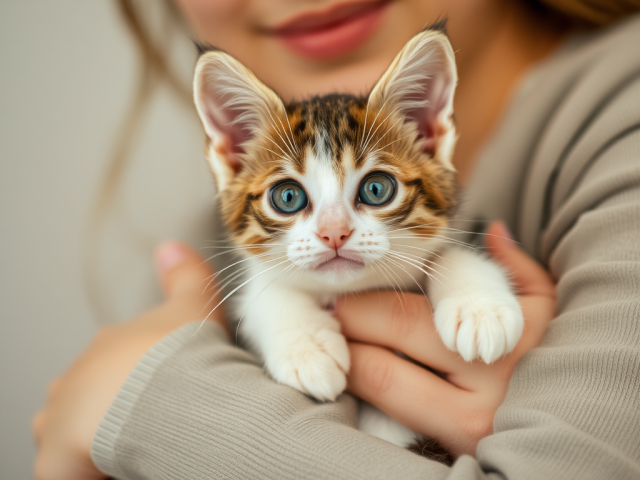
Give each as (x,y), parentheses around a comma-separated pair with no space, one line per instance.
(340,264)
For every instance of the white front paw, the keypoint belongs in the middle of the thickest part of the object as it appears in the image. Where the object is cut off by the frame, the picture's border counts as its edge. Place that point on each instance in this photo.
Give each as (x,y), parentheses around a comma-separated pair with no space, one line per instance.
(487,326)
(315,363)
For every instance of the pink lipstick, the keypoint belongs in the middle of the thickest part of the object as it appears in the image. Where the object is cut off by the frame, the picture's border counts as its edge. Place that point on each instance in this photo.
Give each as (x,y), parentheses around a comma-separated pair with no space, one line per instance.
(334,32)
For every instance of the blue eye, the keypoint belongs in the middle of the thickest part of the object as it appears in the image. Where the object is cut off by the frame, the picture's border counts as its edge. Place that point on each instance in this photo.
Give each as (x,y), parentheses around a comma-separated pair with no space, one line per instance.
(288,197)
(377,189)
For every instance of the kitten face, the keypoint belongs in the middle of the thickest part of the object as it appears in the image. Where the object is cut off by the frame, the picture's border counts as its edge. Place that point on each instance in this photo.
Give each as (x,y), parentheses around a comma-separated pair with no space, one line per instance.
(329,186)
(355,190)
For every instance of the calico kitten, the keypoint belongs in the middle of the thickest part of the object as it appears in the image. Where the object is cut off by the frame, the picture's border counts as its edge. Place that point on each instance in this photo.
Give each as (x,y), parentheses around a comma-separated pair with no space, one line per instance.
(340,194)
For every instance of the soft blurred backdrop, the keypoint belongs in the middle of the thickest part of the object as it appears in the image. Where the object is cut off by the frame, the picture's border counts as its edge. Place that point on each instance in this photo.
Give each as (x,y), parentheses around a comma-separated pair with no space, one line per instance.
(68,72)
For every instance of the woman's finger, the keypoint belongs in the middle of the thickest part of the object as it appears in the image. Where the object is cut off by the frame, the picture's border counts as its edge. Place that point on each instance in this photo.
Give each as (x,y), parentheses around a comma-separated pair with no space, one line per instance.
(527,274)
(36,425)
(406,391)
(404,324)
(182,270)
(399,322)
(534,284)
(189,285)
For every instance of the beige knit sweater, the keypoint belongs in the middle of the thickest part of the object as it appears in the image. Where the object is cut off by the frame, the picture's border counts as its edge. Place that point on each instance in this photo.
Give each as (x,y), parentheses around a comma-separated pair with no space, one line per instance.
(563,170)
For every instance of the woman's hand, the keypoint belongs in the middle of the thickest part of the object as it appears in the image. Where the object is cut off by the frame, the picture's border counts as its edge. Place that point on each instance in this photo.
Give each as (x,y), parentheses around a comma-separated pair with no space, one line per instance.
(79,399)
(458,409)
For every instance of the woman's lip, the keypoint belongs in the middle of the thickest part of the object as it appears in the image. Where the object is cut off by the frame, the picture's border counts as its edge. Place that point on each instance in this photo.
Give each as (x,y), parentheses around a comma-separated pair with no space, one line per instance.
(319,19)
(337,32)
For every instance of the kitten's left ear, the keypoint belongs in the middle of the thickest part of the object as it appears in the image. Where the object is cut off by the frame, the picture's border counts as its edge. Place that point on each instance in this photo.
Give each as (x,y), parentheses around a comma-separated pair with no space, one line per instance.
(420,83)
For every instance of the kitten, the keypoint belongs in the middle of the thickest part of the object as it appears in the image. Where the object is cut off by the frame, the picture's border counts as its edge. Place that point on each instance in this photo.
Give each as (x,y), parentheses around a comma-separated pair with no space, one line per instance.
(340,194)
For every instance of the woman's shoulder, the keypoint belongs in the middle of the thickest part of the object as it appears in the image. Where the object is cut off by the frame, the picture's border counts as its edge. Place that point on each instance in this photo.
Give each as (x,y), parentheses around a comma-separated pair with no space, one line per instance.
(585,75)
(565,110)
(593,68)
(561,122)
(590,102)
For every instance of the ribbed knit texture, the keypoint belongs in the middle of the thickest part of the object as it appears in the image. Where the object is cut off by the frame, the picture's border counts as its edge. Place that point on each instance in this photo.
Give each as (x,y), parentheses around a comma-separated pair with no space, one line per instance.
(563,170)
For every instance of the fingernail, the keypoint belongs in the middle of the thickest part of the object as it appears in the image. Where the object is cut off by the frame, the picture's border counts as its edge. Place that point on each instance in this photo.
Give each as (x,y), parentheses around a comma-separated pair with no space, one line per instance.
(169,255)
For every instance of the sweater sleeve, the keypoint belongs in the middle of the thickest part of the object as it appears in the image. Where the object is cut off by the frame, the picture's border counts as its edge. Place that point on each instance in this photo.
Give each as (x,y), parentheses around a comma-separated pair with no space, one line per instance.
(196,407)
(573,404)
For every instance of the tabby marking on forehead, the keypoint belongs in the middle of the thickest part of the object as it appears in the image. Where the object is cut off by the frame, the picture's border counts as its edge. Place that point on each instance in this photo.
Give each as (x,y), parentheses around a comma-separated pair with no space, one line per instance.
(343,131)
(329,119)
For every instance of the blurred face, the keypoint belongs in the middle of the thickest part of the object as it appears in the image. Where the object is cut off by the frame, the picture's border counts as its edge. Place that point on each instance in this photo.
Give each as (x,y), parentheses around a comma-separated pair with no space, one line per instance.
(311,47)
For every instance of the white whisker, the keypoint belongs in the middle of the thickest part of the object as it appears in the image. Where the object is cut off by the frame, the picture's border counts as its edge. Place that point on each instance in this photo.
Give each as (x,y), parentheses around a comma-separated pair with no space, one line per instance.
(374,152)
(237,248)
(292,135)
(234,291)
(439,238)
(288,268)
(388,130)
(287,144)
(372,133)
(392,281)
(215,275)
(364,128)
(286,156)
(291,142)
(234,275)
(396,262)
(286,159)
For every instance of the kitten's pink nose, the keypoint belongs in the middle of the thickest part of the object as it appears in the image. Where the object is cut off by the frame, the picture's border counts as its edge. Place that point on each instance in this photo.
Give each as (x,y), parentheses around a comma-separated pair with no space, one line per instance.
(334,237)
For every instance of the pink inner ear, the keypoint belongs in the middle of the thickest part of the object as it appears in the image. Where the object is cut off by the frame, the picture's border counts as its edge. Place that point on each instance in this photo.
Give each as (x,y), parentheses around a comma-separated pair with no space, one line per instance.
(229,150)
(432,131)
(433,119)
(224,119)
(231,133)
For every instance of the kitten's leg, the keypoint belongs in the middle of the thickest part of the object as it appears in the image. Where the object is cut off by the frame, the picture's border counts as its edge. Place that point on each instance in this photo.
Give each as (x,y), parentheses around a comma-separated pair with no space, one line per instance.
(476,312)
(379,424)
(300,342)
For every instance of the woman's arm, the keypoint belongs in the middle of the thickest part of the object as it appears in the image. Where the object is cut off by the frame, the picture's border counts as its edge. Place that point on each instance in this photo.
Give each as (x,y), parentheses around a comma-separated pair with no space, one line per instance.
(573,404)
(198,407)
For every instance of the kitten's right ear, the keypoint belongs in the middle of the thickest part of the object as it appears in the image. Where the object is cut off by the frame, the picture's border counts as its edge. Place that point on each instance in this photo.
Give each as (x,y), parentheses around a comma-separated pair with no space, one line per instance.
(233,106)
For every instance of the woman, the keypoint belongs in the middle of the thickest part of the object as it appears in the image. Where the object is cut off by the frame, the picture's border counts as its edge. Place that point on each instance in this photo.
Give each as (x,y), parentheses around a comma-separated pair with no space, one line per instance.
(549,114)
